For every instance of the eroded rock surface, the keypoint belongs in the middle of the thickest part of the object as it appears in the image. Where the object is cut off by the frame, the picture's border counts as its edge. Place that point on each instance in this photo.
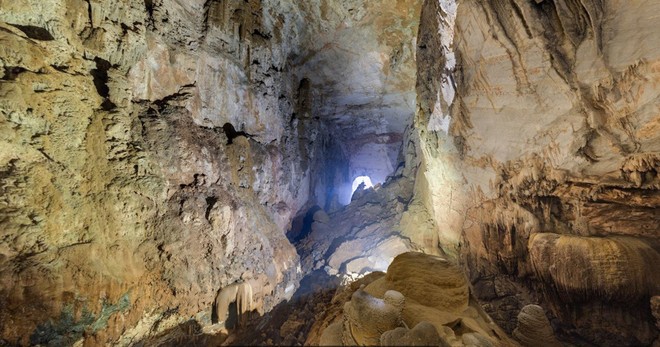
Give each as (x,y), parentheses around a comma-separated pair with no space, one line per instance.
(538,151)
(153,153)
(533,328)
(366,318)
(148,159)
(422,334)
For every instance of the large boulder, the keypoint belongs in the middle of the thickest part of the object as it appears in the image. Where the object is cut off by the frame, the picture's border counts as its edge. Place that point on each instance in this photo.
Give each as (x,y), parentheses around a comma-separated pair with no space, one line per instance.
(534,328)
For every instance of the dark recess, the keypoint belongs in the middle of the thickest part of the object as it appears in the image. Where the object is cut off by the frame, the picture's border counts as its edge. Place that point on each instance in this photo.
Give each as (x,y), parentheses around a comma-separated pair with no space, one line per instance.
(89,13)
(231,133)
(210,202)
(34,32)
(12,72)
(149,6)
(100,75)
(257,33)
(108,105)
(301,225)
(304,96)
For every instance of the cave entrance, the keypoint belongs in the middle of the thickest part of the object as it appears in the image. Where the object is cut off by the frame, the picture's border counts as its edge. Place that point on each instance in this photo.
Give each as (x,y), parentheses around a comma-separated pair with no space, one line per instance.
(360,180)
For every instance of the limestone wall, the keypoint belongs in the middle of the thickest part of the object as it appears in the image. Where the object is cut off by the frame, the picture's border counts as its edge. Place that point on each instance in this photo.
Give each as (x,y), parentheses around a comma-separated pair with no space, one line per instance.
(148,158)
(546,123)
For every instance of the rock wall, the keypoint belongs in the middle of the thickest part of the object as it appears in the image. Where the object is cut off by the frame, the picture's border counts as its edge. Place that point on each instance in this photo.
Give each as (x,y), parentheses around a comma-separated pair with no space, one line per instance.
(149,157)
(538,143)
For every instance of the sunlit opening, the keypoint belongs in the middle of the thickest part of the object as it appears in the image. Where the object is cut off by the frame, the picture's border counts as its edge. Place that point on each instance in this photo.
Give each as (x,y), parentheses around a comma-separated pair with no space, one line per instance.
(361,179)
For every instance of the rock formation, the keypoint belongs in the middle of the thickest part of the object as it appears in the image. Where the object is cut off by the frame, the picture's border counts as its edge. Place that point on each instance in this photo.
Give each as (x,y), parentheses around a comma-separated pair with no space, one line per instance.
(537,138)
(366,318)
(154,152)
(422,334)
(148,158)
(238,293)
(421,291)
(533,328)
(655,309)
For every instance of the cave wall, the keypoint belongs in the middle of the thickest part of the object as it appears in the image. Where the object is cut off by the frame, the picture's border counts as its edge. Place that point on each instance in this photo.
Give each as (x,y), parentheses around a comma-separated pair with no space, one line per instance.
(150,155)
(539,155)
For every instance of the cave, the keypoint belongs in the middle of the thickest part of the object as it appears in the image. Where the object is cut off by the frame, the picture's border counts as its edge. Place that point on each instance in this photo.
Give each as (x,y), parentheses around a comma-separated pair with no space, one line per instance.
(281,173)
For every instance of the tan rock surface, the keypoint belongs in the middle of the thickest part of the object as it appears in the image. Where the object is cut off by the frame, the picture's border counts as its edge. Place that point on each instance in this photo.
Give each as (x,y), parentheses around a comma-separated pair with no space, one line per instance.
(614,268)
(422,334)
(434,293)
(533,328)
(366,318)
(123,205)
(540,117)
(153,153)
(429,281)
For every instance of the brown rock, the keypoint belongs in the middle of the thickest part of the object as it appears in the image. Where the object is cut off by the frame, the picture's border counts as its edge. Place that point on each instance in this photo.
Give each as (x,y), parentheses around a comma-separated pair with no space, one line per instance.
(614,268)
(430,281)
(437,306)
(366,318)
(423,334)
(655,309)
(533,119)
(534,328)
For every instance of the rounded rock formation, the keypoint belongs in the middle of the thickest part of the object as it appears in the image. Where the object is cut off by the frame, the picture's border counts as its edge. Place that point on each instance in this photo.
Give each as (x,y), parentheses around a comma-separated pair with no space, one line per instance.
(366,318)
(423,334)
(429,280)
(534,328)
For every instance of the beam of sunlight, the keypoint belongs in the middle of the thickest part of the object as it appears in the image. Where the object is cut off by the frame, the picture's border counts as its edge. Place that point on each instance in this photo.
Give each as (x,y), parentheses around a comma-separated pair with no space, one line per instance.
(361,179)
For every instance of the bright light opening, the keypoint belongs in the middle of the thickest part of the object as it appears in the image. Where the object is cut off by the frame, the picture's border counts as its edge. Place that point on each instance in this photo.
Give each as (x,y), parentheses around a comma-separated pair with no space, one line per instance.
(361,179)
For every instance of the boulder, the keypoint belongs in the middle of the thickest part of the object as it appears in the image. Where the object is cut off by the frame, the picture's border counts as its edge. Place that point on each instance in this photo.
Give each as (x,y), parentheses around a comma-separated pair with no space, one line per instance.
(534,328)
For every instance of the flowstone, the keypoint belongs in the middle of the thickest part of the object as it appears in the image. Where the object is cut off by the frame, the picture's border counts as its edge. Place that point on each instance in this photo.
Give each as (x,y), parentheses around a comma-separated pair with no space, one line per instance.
(421,291)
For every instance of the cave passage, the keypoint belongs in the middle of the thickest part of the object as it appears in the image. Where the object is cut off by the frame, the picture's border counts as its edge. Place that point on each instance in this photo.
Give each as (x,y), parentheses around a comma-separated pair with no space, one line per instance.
(361,181)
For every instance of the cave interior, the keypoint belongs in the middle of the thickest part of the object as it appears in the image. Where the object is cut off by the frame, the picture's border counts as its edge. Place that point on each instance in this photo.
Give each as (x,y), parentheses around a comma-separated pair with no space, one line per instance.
(329,172)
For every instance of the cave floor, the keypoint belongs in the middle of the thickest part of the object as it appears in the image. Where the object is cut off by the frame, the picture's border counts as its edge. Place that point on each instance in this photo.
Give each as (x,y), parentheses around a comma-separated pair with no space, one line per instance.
(288,324)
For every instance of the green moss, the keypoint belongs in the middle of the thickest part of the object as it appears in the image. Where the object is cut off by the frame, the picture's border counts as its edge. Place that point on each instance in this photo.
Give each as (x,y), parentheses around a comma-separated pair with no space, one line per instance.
(108,310)
(66,330)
